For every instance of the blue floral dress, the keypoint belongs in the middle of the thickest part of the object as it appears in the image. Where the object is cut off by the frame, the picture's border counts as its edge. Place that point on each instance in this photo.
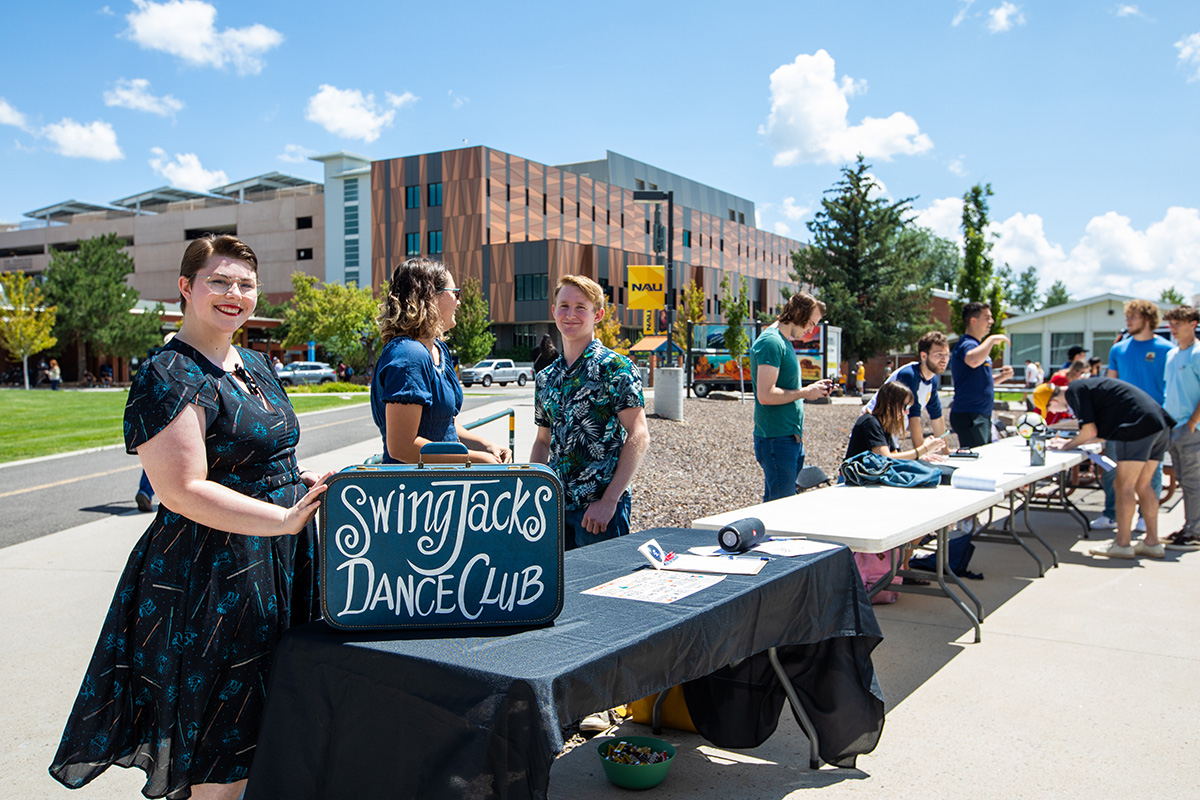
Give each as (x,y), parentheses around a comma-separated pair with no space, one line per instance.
(178,679)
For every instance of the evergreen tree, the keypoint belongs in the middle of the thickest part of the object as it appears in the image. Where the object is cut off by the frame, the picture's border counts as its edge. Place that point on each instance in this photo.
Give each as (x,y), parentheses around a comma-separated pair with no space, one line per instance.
(1057,295)
(865,267)
(1172,297)
(26,321)
(471,338)
(976,281)
(94,301)
(1025,297)
(735,307)
(939,259)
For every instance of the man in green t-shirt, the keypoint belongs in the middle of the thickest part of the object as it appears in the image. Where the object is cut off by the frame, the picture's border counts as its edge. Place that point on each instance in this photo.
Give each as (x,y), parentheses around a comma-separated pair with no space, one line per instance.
(778,410)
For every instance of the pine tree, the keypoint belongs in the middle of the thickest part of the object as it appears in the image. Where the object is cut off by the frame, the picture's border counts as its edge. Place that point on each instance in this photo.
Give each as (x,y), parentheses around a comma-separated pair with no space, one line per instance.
(1057,295)
(865,267)
(1025,297)
(1172,297)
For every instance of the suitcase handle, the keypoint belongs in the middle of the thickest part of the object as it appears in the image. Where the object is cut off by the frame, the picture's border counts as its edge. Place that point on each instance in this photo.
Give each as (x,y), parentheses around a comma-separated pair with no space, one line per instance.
(443,449)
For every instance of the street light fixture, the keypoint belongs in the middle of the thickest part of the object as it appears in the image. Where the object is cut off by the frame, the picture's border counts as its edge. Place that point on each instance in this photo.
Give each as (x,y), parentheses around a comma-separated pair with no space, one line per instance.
(656,198)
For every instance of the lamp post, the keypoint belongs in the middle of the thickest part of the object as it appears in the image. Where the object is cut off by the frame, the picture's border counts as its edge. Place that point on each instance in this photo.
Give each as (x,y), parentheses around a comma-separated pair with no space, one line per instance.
(656,198)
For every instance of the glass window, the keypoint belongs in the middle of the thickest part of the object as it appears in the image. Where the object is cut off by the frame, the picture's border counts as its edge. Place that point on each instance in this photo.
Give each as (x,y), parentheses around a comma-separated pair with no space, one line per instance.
(303,222)
(350,191)
(1060,343)
(687,238)
(412,196)
(1025,346)
(304,254)
(435,242)
(1102,342)
(412,244)
(435,194)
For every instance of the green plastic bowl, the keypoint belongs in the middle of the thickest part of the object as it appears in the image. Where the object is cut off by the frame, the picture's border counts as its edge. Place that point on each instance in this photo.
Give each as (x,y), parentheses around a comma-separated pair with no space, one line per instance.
(637,776)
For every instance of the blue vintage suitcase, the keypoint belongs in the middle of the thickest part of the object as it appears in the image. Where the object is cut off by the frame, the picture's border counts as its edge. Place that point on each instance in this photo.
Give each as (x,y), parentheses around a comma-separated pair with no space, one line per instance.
(441,546)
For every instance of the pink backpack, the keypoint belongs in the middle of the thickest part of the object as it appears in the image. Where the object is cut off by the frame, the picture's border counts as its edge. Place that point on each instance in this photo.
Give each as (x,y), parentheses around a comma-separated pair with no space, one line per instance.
(872,567)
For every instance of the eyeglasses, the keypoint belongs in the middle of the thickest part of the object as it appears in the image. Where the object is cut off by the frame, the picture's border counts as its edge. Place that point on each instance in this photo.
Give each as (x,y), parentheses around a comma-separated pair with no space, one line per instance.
(222,285)
(455,292)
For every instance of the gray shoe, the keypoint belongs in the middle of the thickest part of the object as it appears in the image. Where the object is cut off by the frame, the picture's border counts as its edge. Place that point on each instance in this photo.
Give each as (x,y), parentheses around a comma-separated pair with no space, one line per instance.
(1113,550)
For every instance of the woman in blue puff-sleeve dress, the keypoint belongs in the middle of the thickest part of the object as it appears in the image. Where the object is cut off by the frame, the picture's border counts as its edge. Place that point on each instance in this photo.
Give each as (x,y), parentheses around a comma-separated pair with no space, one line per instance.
(178,679)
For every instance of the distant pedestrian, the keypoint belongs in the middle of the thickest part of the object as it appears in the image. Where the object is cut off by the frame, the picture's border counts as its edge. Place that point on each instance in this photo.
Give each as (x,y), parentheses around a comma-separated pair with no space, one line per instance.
(54,375)
(341,371)
(546,354)
(860,378)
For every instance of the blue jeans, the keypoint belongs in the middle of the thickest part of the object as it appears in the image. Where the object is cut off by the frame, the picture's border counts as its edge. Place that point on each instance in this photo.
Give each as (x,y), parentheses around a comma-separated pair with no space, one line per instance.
(145,487)
(781,459)
(1109,478)
(574,535)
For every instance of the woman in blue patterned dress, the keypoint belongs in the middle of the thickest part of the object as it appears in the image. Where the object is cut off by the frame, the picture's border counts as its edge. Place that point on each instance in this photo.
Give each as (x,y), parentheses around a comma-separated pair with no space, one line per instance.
(415,395)
(178,678)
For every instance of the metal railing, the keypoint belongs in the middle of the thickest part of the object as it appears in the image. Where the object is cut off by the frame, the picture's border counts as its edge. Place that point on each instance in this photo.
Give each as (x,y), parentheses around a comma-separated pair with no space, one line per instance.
(512,427)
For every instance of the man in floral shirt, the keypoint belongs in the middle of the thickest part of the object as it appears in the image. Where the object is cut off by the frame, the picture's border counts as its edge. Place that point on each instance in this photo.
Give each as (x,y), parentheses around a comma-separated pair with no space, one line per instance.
(591,419)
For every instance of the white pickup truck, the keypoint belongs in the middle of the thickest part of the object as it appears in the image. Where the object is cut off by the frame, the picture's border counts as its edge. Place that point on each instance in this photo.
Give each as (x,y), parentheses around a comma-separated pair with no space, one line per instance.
(498,370)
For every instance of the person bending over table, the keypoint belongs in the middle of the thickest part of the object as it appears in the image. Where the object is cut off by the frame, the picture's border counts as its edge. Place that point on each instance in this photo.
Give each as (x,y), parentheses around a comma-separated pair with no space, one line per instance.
(921,378)
(778,406)
(971,368)
(177,683)
(1139,428)
(415,395)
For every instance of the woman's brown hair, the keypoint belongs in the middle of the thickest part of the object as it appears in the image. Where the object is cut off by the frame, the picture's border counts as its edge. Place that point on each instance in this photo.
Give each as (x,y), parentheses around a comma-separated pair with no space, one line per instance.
(410,306)
(891,406)
(197,254)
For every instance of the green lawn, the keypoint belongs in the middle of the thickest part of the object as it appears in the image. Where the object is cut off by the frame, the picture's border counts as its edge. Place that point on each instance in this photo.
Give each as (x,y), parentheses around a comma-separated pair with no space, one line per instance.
(40,423)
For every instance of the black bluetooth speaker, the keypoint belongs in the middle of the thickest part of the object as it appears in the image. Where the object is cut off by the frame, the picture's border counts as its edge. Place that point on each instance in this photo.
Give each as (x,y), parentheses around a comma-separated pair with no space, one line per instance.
(740,535)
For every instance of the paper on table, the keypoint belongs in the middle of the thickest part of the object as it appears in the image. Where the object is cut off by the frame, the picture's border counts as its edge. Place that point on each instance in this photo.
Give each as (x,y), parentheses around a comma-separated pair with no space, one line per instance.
(786,547)
(721,565)
(655,586)
(969,479)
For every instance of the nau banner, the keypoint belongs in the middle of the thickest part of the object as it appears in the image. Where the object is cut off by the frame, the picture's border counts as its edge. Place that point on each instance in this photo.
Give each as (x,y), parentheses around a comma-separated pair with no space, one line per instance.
(441,546)
(647,286)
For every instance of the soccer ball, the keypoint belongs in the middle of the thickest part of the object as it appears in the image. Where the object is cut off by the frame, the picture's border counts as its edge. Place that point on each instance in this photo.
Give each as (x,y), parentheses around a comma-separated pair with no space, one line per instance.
(1030,423)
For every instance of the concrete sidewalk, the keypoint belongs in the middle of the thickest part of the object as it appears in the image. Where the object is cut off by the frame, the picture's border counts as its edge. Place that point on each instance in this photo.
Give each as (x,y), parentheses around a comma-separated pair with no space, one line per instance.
(1083,683)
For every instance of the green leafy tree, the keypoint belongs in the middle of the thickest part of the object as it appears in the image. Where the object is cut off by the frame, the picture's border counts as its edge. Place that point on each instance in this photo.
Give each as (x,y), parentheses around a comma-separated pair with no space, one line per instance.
(608,331)
(977,282)
(1057,295)
(339,316)
(865,267)
(266,308)
(735,307)
(939,259)
(691,310)
(94,301)
(1026,295)
(471,338)
(1172,297)
(26,322)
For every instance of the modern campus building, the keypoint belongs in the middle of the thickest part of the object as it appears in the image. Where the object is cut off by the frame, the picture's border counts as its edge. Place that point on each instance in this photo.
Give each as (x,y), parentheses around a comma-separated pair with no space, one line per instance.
(513,224)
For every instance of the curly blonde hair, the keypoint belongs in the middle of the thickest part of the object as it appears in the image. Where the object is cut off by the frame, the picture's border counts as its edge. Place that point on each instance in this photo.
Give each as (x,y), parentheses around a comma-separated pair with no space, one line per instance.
(410,306)
(1146,309)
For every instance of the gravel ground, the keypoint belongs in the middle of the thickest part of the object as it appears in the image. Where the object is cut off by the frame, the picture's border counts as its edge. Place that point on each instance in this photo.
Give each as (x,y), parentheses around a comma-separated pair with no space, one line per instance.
(705,463)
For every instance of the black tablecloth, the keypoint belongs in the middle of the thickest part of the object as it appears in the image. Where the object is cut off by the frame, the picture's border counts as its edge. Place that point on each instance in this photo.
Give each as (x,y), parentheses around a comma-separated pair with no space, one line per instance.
(480,715)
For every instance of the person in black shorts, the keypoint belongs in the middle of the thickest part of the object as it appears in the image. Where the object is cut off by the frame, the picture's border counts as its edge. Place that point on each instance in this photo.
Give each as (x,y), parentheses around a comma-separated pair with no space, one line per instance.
(1121,413)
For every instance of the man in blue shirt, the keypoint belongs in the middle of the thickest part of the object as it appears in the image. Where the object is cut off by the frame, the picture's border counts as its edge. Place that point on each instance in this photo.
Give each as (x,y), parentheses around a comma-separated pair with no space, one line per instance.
(971,368)
(921,378)
(1183,403)
(1141,359)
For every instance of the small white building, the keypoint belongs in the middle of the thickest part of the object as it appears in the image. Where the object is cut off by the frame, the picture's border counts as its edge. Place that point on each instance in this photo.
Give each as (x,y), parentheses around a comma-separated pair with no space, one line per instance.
(1047,335)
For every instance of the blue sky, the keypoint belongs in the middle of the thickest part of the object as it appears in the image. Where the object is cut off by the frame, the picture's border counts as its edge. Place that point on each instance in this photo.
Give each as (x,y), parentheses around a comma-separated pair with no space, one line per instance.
(1084,116)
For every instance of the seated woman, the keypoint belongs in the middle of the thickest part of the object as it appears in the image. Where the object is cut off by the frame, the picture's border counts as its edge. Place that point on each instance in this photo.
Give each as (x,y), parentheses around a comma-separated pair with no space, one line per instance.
(879,430)
(415,395)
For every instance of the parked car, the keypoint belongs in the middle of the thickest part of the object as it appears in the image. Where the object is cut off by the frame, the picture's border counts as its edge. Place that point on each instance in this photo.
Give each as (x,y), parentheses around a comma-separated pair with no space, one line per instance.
(500,370)
(306,372)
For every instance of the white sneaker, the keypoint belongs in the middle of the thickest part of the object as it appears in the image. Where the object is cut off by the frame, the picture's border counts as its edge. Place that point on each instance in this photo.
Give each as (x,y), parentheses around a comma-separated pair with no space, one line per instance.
(1103,523)
(1113,550)
(1141,525)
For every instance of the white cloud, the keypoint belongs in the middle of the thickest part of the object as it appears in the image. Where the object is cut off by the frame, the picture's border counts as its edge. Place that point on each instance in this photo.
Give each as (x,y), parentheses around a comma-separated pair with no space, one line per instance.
(1189,55)
(807,123)
(95,140)
(106,11)
(956,166)
(1005,17)
(880,187)
(962,12)
(400,100)
(10,116)
(457,100)
(782,229)
(793,211)
(348,113)
(186,172)
(135,94)
(187,30)
(295,154)
(1124,10)
(1111,256)
(943,217)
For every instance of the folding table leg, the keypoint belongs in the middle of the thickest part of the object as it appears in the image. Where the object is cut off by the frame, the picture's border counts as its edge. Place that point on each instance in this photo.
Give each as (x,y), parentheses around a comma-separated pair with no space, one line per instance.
(1010,527)
(1032,531)
(814,755)
(943,537)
